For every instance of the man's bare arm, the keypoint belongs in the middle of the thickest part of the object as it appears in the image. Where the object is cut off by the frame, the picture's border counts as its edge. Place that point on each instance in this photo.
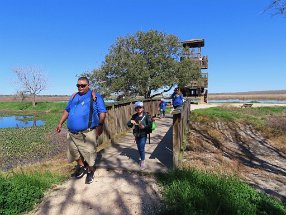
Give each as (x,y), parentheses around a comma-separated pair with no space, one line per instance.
(63,119)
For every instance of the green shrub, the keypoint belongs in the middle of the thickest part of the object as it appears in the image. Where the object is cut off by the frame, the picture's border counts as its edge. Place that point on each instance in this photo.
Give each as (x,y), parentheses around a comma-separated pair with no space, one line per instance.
(19,192)
(195,192)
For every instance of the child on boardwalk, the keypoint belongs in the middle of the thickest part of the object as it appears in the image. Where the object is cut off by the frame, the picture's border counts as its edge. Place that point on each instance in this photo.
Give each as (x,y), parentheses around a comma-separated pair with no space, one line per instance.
(162,108)
(141,121)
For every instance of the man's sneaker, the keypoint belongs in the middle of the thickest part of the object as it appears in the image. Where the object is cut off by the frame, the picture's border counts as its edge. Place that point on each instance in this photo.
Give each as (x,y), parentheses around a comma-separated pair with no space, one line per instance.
(142,164)
(89,177)
(79,171)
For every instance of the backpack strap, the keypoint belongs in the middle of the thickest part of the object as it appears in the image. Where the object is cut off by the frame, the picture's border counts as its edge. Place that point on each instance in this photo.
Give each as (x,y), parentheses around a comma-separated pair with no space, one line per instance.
(73,95)
(90,111)
(92,99)
(93,94)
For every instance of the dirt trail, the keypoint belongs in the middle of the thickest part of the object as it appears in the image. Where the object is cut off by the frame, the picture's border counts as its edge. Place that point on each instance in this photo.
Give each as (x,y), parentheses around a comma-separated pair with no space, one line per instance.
(112,192)
(238,149)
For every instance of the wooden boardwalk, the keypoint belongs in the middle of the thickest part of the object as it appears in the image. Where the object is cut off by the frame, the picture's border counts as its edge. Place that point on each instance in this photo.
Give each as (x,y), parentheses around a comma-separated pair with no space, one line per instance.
(123,154)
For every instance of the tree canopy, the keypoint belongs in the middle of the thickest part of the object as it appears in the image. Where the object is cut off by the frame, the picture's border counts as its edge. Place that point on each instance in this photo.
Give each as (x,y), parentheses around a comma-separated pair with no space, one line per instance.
(277,7)
(144,63)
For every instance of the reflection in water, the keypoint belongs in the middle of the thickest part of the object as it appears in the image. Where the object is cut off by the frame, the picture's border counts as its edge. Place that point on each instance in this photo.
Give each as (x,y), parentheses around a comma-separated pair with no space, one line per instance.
(19,121)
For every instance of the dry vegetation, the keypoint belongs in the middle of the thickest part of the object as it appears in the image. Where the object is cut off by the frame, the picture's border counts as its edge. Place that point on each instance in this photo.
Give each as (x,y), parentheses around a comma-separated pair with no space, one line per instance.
(235,148)
(280,95)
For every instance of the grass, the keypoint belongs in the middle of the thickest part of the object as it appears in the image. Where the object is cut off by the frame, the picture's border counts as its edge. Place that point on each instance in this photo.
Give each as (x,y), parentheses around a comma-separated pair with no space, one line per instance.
(262,118)
(27,106)
(196,192)
(21,191)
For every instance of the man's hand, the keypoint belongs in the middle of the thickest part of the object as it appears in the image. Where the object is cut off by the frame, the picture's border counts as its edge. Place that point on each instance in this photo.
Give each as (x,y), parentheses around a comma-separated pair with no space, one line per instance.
(59,128)
(99,130)
(63,119)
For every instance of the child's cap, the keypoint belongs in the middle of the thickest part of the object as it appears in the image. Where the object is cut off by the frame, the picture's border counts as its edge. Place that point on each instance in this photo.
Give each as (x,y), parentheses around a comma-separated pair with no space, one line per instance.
(138,104)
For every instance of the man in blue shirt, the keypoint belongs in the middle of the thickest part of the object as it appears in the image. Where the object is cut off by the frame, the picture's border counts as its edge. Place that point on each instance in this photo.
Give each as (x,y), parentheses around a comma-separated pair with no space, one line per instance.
(85,114)
(177,98)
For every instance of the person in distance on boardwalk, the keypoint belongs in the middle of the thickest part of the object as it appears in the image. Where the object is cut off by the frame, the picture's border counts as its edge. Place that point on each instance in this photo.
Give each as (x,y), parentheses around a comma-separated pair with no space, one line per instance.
(177,99)
(85,114)
(162,108)
(141,122)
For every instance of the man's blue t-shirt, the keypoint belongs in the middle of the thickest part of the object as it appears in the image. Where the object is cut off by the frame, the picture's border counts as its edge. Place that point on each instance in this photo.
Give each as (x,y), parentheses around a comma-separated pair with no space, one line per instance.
(177,99)
(79,108)
(163,105)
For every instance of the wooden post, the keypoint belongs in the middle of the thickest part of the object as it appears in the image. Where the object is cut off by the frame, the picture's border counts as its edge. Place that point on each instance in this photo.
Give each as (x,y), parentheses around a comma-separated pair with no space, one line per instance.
(176,139)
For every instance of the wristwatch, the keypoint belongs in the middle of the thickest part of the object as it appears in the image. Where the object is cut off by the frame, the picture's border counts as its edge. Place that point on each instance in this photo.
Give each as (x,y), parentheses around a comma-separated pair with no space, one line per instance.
(100,124)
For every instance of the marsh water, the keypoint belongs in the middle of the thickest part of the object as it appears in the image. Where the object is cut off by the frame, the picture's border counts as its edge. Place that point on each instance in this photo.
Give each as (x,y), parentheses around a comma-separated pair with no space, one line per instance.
(19,121)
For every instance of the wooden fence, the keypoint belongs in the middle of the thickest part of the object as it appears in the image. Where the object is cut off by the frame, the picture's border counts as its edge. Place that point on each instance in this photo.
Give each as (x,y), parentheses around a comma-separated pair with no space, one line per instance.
(181,122)
(117,117)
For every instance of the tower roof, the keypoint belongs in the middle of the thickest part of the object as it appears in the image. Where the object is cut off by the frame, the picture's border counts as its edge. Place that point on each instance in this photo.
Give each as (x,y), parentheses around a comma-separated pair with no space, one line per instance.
(193,43)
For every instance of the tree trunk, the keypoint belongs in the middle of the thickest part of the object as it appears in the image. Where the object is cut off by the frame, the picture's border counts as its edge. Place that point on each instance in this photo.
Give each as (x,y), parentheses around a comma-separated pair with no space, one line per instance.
(34,100)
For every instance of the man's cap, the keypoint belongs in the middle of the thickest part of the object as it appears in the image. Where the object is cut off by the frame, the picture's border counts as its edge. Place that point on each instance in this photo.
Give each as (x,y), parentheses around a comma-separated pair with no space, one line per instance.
(138,104)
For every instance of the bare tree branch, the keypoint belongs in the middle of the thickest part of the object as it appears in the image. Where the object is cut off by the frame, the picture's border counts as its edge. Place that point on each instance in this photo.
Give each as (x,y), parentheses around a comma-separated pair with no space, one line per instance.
(31,80)
(164,91)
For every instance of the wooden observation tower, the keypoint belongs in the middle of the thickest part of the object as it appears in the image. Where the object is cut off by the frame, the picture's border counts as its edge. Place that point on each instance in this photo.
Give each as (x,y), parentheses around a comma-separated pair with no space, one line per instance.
(197,89)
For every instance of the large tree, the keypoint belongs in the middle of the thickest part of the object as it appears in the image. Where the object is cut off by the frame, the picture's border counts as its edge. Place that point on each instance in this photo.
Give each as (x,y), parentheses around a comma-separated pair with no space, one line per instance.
(31,80)
(143,63)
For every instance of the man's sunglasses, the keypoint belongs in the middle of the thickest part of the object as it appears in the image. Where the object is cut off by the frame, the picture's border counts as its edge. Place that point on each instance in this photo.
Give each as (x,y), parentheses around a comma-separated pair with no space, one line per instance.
(81,85)
(139,107)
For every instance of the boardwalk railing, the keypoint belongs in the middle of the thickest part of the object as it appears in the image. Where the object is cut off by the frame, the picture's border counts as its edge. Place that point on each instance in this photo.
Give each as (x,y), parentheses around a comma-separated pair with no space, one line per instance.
(180,130)
(117,117)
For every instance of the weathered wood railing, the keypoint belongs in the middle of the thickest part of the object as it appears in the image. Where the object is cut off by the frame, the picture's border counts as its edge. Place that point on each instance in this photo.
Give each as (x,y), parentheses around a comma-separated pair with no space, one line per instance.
(117,117)
(180,130)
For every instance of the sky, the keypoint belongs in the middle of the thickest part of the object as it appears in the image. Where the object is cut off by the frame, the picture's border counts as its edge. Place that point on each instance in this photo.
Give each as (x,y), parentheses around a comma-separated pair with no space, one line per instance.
(246,46)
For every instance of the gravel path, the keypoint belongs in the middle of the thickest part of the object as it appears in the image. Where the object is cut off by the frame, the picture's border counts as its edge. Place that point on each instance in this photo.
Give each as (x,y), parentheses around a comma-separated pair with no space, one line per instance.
(113,192)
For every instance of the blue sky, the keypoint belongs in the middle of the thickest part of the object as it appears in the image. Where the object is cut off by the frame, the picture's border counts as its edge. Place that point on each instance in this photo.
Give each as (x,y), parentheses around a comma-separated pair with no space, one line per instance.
(246,47)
